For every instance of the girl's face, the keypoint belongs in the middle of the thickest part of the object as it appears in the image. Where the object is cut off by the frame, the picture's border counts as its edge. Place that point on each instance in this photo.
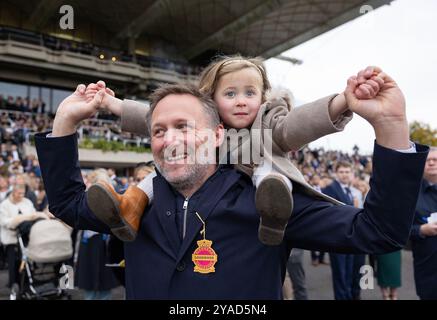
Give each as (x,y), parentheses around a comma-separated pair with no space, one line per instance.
(238,96)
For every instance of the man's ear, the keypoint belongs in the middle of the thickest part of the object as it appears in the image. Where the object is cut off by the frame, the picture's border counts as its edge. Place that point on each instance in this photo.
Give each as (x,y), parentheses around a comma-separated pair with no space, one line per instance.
(219,135)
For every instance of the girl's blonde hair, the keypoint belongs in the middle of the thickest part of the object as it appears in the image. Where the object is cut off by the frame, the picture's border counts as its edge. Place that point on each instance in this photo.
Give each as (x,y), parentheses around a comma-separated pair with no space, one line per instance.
(227,64)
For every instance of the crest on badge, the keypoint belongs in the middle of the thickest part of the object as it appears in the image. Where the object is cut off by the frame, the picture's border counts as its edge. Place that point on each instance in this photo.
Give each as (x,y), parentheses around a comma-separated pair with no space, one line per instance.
(204,257)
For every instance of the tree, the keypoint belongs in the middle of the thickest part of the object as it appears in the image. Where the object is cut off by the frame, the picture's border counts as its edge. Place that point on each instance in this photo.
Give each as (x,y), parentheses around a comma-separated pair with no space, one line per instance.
(423,134)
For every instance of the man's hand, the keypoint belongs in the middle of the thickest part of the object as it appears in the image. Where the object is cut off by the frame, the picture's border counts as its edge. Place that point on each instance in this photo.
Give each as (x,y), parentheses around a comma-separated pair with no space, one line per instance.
(385,112)
(109,101)
(73,110)
(429,229)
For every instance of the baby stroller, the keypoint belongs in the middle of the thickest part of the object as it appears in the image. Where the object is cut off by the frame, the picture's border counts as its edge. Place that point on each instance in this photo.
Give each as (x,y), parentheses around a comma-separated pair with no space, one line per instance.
(44,246)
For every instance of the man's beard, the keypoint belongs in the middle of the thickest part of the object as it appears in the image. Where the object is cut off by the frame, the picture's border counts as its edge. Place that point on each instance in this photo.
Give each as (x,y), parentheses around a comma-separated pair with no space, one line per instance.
(193,175)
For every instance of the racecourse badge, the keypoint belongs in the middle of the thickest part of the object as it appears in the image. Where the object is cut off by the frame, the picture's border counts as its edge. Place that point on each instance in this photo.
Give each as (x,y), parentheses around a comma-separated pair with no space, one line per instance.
(204,257)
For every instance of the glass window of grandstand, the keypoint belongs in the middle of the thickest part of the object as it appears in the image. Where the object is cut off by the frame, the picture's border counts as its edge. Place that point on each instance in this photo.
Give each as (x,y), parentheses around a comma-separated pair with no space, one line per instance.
(27,98)
(57,97)
(12,96)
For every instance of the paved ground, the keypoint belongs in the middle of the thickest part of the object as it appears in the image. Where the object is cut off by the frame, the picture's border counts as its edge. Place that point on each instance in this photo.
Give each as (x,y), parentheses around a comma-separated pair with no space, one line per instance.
(319,283)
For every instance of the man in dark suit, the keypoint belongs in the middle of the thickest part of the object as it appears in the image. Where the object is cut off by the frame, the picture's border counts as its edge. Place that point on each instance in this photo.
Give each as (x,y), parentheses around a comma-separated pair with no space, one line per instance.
(424,232)
(199,239)
(344,272)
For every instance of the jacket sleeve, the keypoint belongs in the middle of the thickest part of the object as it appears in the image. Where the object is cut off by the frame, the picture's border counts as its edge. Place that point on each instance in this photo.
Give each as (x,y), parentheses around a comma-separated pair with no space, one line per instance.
(382,226)
(59,162)
(306,123)
(415,232)
(133,117)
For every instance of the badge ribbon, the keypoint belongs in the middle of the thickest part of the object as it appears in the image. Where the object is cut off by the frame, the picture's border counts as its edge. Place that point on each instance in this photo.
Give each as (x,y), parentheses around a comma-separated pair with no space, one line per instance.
(204,257)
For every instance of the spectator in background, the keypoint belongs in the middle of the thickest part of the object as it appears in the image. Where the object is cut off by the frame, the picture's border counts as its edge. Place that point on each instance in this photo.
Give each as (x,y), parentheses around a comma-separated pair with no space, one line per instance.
(424,232)
(142,170)
(41,197)
(4,191)
(4,188)
(358,259)
(115,181)
(13,211)
(23,179)
(16,168)
(92,275)
(297,274)
(317,257)
(389,274)
(342,264)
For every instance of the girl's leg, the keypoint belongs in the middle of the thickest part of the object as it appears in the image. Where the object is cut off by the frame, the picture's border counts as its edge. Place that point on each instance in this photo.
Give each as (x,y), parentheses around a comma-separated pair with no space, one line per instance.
(274,203)
(121,213)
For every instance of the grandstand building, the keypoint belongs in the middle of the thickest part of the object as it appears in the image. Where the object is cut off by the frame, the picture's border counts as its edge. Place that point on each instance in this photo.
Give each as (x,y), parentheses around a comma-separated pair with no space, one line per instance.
(135,45)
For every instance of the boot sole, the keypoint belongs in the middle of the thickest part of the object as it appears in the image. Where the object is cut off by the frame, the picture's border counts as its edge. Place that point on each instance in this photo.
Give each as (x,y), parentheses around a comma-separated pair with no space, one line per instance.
(275,205)
(106,208)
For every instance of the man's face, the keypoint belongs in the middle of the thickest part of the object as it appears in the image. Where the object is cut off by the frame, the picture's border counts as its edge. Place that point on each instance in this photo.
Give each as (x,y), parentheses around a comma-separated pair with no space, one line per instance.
(179,128)
(17,195)
(315,180)
(430,172)
(344,175)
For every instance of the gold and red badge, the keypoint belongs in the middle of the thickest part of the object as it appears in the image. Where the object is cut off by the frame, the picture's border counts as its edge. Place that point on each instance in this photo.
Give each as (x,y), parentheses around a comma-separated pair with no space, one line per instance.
(204,257)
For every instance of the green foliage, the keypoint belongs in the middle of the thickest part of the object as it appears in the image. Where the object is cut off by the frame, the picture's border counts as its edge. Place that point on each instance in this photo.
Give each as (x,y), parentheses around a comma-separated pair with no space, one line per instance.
(110,146)
(423,134)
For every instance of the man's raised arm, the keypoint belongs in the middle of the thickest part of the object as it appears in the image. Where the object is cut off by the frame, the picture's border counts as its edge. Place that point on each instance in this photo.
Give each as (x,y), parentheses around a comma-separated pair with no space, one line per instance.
(58,156)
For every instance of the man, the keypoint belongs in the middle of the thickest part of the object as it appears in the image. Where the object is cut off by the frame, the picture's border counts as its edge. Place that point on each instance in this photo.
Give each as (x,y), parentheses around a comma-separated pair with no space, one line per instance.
(345,267)
(342,264)
(198,239)
(424,232)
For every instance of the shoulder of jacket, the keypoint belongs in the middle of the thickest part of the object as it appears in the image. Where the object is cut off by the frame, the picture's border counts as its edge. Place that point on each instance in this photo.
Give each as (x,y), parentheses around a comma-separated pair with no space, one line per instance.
(280,96)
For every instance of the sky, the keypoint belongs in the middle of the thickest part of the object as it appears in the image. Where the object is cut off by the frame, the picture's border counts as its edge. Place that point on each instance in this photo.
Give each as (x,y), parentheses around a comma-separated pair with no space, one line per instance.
(396,37)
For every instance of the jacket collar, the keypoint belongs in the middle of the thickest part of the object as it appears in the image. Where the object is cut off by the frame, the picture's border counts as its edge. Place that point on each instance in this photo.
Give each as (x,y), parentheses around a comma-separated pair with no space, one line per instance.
(207,197)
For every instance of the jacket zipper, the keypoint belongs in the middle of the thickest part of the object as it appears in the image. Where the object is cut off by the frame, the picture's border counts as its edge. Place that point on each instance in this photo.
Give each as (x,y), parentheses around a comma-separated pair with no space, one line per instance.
(185,207)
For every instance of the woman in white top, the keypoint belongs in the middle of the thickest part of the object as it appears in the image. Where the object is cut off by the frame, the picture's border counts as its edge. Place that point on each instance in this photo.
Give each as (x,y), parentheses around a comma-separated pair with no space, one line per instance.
(14,210)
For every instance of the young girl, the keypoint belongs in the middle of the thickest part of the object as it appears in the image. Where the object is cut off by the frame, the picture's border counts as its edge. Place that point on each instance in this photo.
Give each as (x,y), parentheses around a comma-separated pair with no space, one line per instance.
(240,87)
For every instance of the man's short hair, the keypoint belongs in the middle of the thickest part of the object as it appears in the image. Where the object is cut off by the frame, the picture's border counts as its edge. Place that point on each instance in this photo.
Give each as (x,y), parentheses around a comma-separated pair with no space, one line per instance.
(343,164)
(165,90)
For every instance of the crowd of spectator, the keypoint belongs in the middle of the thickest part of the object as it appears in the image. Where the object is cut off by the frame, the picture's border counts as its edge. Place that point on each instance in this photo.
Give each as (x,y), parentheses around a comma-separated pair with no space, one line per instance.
(22,104)
(318,165)
(21,117)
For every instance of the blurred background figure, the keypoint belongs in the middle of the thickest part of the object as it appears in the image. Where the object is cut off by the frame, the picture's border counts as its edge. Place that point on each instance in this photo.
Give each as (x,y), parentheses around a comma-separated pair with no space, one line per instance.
(317,257)
(15,210)
(297,274)
(92,276)
(388,268)
(424,232)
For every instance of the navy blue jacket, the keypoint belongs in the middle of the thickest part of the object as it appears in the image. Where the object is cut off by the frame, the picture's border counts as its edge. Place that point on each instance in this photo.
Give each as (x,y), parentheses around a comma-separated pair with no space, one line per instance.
(335,191)
(159,264)
(425,248)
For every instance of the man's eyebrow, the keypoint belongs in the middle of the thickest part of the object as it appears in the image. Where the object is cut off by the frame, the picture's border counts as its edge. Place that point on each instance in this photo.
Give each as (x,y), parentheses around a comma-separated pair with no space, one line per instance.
(179,120)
